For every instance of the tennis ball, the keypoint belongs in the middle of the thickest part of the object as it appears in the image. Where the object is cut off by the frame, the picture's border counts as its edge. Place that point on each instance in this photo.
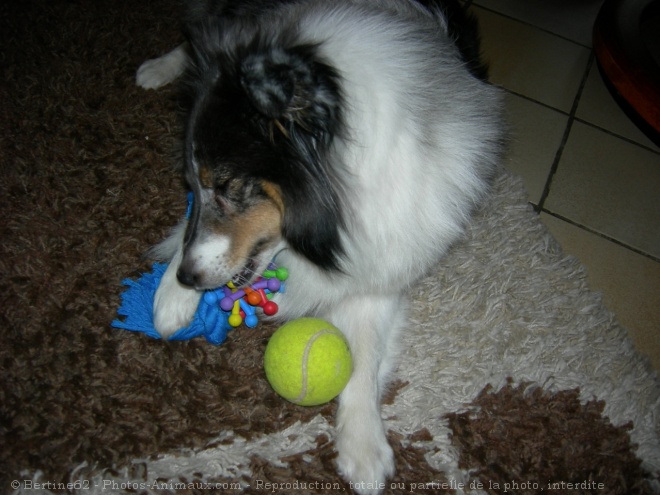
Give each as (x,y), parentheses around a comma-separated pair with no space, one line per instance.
(308,362)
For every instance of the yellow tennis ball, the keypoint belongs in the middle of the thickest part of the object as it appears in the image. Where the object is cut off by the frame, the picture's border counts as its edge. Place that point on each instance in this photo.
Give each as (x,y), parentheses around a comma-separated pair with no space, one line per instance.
(308,362)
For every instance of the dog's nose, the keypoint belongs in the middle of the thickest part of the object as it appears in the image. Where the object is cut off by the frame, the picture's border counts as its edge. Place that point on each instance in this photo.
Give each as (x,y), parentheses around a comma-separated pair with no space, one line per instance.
(187,277)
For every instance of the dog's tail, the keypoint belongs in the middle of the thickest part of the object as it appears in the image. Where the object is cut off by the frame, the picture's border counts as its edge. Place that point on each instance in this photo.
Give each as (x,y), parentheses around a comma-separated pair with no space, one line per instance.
(463,28)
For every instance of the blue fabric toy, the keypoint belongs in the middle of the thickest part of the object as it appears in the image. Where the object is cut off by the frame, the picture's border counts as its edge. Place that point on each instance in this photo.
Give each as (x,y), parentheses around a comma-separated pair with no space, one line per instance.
(219,310)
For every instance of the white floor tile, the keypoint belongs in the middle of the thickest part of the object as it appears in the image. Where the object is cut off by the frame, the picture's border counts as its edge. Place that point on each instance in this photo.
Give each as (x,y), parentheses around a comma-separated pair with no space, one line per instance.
(567,18)
(530,62)
(630,282)
(598,107)
(611,186)
(536,134)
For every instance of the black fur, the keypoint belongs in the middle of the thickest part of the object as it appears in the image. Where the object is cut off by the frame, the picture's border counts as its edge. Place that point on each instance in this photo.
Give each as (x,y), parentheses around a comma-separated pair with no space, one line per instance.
(201,10)
(263,113)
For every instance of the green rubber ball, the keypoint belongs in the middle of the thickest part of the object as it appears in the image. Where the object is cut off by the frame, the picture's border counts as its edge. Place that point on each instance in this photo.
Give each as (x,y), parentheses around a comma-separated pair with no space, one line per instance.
(308,362)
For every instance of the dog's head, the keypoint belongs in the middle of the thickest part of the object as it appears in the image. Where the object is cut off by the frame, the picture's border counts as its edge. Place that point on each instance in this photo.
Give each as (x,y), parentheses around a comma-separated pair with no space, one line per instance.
(260,127)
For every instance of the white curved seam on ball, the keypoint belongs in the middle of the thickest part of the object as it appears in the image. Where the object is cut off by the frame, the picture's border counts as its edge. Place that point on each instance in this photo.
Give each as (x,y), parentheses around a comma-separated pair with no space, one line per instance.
(308,348)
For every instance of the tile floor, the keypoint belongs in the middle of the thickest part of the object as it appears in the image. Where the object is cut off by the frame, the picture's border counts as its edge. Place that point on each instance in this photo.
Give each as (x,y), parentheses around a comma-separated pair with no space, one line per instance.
(591,174)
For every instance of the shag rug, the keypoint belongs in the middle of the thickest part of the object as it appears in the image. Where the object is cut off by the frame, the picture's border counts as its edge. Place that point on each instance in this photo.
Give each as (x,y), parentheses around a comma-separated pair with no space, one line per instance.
(514,378)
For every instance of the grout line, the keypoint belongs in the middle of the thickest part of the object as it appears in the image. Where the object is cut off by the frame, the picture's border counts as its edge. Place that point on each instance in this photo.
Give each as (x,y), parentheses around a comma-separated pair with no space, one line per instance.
(471,3)
(602,236)
(581,120)
(530,99)
(619,136)
(564,139)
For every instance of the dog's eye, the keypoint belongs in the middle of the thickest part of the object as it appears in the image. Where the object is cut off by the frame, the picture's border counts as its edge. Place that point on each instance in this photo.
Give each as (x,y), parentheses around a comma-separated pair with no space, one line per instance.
(234,194)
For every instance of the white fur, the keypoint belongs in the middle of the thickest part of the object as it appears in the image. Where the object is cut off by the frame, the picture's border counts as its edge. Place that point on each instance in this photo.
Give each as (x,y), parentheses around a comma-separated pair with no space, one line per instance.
(174,303)
(158,72)
(212,254)
(423,136)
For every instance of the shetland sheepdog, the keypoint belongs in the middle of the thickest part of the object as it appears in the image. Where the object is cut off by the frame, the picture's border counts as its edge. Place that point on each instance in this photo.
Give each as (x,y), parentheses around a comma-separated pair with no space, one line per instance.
(348,140)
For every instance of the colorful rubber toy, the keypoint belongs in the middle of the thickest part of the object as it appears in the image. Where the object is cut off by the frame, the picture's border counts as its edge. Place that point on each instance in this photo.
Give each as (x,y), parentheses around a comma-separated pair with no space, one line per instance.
(219,310)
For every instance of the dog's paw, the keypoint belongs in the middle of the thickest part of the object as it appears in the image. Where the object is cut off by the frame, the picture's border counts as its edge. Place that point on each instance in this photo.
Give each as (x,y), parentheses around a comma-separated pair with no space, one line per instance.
(160,71)
(155,73)
(174,306)
(366,462)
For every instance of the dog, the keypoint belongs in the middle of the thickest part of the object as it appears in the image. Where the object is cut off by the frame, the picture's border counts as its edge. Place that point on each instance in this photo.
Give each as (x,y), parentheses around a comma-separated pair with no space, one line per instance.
(348,140)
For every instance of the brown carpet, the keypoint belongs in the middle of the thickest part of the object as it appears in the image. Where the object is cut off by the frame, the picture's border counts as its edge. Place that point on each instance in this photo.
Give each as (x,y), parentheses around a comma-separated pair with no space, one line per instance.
(87,185)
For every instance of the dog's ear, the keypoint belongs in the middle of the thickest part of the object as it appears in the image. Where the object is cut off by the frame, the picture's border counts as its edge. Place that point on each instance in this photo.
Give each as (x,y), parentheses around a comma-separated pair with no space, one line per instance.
(299,94)
(269,80)
(292,86)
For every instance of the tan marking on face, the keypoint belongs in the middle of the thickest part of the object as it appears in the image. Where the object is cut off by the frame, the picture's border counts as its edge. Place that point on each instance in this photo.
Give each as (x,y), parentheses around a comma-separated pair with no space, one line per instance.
(261,222)
(275,194)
